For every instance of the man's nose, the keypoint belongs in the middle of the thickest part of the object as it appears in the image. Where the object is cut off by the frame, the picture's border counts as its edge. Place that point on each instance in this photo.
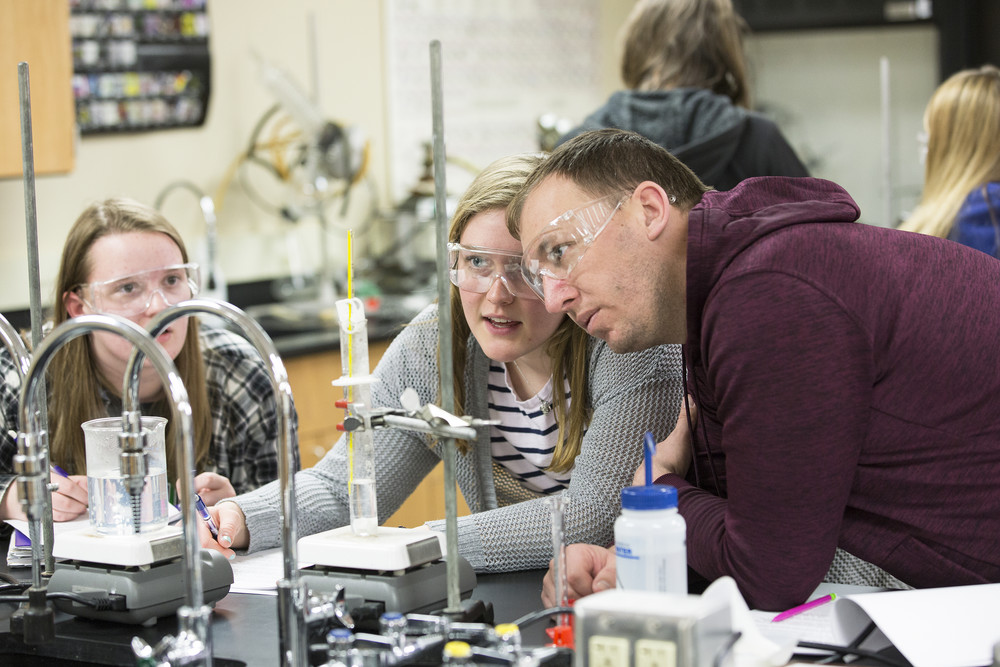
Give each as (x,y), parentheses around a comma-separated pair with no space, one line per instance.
(559,295)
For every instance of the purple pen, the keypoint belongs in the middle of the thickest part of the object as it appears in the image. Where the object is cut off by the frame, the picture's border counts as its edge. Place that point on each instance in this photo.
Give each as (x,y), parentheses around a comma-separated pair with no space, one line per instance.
(203,511)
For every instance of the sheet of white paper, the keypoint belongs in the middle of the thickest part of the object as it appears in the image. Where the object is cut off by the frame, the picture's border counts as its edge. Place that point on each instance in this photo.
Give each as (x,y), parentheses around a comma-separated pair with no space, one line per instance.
(257,573)
(814,625)
(932,627)
(81,522)
(58,527)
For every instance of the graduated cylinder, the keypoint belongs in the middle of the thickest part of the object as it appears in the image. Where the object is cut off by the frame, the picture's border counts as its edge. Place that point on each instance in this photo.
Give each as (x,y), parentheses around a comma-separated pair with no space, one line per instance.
(356,381)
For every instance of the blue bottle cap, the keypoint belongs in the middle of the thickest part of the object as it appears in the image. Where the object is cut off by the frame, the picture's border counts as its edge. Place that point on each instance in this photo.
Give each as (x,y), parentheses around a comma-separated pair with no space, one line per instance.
(655,497)
(340,634)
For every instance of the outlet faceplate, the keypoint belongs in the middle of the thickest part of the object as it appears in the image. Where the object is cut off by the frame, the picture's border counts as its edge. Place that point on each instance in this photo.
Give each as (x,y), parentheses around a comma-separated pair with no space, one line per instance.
(608,651)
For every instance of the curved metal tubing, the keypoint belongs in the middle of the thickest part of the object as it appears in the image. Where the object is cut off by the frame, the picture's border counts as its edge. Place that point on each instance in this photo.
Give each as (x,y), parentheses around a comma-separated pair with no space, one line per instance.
(164,366)
(16,347)
(293,635)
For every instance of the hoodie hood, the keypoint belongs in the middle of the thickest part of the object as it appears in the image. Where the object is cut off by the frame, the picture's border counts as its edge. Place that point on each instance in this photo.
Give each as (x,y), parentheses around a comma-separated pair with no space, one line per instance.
(725,224)
(702,129)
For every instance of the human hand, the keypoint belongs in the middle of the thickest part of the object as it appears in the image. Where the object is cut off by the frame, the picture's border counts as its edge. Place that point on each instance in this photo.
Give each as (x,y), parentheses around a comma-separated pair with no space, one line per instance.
(233,532)
(674,453)
(69,500)
(589,569)
(212,487)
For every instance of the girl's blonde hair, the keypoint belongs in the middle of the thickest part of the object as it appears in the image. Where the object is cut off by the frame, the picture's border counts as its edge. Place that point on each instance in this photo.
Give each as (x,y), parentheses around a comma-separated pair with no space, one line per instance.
(962,121)
(686,44)
(493,189)
(74,381)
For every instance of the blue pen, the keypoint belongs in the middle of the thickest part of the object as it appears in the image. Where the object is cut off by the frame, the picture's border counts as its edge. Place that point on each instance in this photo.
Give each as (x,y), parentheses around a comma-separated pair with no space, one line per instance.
(200,504)
(649,446)
(59,471)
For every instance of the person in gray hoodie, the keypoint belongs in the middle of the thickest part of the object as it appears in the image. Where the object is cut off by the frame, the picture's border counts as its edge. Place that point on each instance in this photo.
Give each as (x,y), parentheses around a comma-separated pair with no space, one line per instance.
(684,67)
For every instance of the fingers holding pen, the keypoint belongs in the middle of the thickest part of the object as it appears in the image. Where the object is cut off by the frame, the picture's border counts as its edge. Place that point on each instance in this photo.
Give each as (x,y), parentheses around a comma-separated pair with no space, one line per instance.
(232,530)
(69,498)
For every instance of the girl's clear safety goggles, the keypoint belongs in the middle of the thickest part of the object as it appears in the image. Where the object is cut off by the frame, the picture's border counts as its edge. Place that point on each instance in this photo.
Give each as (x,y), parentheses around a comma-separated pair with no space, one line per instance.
(132,295)
(475,269)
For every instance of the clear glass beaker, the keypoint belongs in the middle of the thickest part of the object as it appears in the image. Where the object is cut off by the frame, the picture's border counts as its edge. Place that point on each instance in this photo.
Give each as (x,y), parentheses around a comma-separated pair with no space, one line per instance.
(110,504)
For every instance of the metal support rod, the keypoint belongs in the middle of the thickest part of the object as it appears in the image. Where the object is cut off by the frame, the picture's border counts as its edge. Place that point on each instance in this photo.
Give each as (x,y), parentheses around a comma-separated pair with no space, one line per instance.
(421,426)
(444,329)
(291,600)
(885,105)
(34,289)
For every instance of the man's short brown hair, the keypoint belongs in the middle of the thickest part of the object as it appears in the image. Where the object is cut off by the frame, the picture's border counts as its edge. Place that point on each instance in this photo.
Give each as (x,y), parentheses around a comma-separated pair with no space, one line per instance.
(603,162)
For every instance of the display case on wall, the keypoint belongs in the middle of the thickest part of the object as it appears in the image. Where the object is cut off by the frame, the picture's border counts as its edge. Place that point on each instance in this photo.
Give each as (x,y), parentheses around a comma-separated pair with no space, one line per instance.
(140,65)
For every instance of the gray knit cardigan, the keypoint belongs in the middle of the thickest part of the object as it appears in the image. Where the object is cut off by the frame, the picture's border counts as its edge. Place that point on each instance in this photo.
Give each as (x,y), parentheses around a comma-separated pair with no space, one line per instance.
(510,527)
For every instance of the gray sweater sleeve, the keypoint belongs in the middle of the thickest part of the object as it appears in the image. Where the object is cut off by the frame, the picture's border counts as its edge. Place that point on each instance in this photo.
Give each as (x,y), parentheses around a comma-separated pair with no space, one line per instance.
(630,394)
(402,458)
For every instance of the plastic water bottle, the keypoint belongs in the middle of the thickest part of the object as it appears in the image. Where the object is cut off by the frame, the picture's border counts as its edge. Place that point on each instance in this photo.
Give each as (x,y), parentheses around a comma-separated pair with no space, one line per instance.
(651,541)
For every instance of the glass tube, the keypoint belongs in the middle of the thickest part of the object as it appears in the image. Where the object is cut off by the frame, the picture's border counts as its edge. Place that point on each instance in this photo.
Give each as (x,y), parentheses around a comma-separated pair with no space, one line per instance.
(357,390)
(558,505)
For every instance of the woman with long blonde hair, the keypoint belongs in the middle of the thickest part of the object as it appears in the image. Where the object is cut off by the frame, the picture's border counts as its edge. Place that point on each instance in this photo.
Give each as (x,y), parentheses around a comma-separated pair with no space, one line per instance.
(961,197)
(571,414)
(124,258)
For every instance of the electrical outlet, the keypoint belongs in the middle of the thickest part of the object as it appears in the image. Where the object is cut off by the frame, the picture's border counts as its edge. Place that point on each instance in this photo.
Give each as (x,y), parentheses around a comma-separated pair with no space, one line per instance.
(603,651)
(655,653)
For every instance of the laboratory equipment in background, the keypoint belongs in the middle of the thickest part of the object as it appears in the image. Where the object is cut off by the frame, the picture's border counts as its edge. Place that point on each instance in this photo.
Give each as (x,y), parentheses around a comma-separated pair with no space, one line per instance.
(401,252)
(549,128)
(207,254)
(318,162)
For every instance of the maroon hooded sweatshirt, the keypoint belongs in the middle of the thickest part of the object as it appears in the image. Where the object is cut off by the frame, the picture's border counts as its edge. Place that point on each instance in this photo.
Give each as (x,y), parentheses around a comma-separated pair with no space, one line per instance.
(847,379)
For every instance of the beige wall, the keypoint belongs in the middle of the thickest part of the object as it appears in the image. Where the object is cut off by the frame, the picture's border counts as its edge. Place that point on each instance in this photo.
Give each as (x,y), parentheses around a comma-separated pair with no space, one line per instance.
(350,54)
(351,65)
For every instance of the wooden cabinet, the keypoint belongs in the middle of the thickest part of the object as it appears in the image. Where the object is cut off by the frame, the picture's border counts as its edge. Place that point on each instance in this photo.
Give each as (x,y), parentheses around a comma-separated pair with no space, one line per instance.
(36,32)
(310,377)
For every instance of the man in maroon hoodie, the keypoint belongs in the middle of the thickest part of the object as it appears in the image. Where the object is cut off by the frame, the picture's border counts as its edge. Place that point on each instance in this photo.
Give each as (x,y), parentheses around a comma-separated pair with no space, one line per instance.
(845,377)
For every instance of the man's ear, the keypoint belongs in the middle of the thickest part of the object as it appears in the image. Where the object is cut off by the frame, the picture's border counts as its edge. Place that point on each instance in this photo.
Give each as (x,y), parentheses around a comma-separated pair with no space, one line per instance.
(656,208)
(73,303)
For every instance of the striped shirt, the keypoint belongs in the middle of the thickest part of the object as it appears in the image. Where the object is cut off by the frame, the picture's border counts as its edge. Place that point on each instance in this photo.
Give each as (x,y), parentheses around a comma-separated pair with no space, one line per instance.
(525,438)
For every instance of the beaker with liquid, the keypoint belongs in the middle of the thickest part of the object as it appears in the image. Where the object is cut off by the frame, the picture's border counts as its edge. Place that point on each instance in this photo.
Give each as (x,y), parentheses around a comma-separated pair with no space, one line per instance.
(110,504)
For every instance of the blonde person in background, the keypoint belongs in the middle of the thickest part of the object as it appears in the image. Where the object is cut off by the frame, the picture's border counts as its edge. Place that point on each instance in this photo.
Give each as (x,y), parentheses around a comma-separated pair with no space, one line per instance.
(124,258)
(961,197)
(572,413)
